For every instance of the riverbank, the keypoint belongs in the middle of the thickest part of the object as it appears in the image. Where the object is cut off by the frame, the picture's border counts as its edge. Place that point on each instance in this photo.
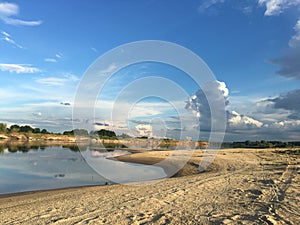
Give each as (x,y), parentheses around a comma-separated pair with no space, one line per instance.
(32,137)
(133,143)
(241,186)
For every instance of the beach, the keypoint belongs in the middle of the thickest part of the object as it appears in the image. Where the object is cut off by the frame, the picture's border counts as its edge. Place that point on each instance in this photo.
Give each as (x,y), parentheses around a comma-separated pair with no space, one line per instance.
(241,186)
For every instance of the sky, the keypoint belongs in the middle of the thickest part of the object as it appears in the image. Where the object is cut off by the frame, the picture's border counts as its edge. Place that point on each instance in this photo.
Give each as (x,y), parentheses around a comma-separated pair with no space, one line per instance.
(252,47)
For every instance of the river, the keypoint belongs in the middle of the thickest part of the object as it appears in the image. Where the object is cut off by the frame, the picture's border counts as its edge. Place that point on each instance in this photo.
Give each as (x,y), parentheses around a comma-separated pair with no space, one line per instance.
(30,168)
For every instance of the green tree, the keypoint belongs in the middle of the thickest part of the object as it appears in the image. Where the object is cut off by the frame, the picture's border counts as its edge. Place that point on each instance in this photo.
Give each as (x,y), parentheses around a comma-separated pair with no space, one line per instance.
(44,131)
(3,127)
(14,128)
(247,143)
(81,132)
(123,135)
(68,132)
(104,134)
(37,130)
(26,129)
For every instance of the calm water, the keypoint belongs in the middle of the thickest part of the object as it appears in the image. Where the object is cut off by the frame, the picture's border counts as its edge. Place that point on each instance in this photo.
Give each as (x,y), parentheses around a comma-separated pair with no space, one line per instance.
(24,168)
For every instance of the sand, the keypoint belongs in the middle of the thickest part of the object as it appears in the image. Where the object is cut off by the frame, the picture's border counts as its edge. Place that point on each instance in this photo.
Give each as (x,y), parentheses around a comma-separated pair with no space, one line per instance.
(242,186)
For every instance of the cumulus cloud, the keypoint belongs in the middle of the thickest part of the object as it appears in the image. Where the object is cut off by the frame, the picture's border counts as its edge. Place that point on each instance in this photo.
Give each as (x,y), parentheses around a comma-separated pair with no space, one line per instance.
(275,7)
(289,64)
(283,111)
(271,115)
(295,40)
(216,92)
(287,124)
(288,101)
(18,68)
(236,120)
(209,105)
(144,130)
(9,10)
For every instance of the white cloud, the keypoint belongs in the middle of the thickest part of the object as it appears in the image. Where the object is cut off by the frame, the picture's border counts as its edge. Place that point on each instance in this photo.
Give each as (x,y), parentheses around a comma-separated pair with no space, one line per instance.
(71,77)
(37,114)
(276,7)
(145,109)
(243,127)
(17,68)
(287,124)
(6,37)
(205,5)
(144,129)
(247,10)
(58,55)
(111,68)
(55,58)
(235,120)
(52,81)
(213,94)
(5,34)
(52,60)
(8,10)
(289,63)
(57,81)
(94,49)
(295,40)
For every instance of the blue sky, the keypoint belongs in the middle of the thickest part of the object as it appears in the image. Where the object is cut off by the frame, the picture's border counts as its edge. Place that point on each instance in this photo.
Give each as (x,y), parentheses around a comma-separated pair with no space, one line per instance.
(252,46)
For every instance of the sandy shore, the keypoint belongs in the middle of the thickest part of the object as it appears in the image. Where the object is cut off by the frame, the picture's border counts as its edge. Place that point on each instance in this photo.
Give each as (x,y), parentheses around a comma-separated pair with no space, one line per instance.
(242,186)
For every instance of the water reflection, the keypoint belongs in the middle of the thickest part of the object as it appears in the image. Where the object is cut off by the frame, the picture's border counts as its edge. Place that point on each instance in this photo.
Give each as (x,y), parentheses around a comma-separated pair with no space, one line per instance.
(32,167)
(39,166)
(19,146)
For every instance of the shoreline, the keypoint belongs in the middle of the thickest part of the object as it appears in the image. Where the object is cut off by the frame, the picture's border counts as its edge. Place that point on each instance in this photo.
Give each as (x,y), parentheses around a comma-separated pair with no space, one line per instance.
(142,157)
(239,187)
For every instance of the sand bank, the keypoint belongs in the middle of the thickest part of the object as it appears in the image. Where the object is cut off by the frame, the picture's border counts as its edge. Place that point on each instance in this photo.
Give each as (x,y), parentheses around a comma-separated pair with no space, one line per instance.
(242,186)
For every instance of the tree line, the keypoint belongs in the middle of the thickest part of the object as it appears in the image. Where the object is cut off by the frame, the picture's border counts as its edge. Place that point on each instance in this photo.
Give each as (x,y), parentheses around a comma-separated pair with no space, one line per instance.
(80,132)
(107,134)
(261,144)
(21,129)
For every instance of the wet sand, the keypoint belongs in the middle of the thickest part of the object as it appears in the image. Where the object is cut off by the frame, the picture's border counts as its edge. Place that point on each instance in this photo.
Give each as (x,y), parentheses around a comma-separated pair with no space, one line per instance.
(241,186)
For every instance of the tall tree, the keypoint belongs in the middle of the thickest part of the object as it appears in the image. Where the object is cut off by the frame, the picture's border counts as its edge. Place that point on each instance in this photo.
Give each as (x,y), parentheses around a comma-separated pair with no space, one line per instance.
(14,128)
(3,127)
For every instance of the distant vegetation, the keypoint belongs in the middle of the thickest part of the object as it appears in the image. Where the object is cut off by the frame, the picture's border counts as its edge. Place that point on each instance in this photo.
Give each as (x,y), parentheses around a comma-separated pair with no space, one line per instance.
(111,135)
(80,132)
(260,144)
(103,134)
(3,128)
(21,129)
